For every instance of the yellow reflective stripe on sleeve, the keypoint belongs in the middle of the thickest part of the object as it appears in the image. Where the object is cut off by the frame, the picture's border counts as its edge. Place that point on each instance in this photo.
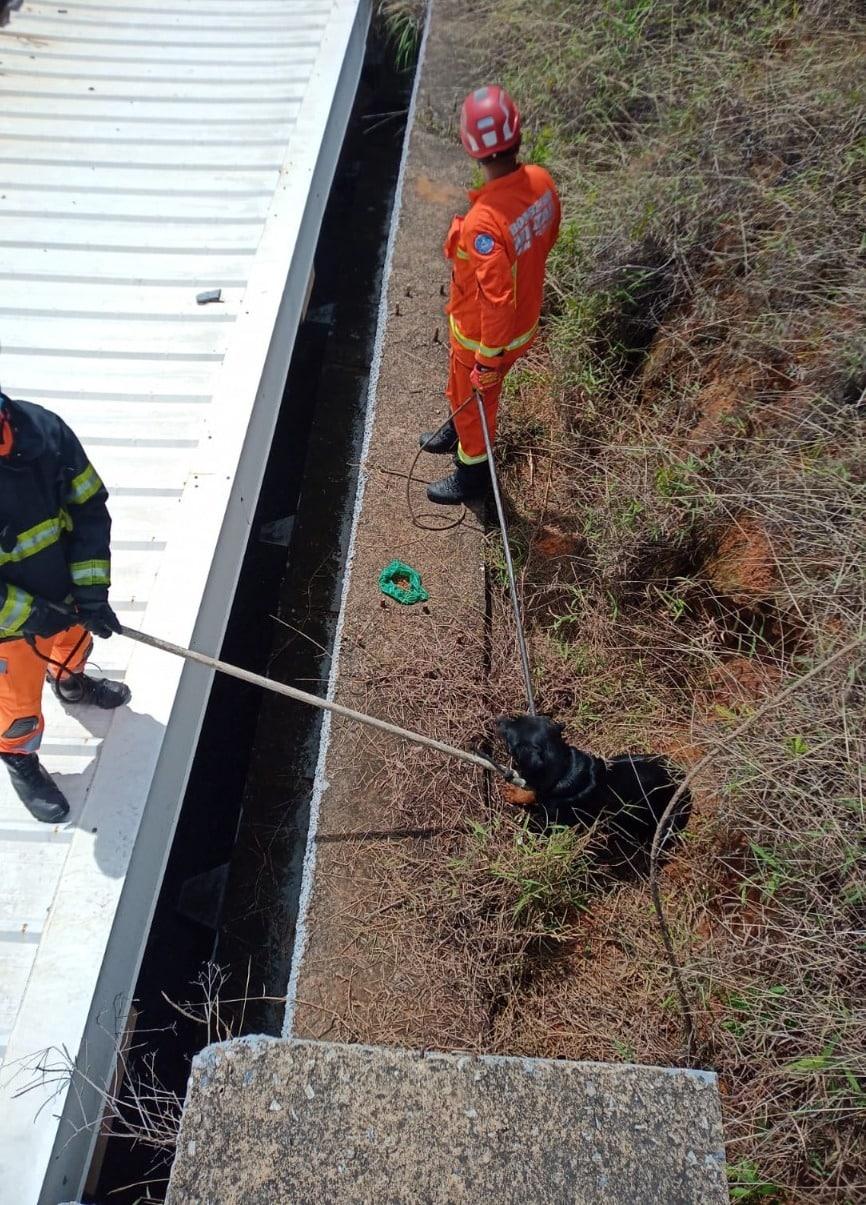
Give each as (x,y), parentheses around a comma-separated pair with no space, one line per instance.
(463,340)
(15,610)
(489,352)
(521,340)
(34,540)
(461,254)
(90,573)
(84,486)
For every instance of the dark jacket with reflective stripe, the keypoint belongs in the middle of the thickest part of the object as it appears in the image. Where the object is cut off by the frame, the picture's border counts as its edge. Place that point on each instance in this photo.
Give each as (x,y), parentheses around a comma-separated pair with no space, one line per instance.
(54,524)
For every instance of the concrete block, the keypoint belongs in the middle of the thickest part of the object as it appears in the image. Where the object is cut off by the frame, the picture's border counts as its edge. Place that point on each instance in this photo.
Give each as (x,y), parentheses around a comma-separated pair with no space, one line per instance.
(294,1121)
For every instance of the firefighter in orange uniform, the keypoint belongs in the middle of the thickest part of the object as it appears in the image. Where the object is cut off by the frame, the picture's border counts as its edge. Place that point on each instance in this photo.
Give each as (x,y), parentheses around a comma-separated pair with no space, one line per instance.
(498,253)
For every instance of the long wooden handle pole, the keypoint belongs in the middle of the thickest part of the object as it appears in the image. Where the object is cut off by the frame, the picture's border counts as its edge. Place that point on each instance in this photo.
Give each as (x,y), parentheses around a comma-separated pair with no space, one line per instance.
(302,696)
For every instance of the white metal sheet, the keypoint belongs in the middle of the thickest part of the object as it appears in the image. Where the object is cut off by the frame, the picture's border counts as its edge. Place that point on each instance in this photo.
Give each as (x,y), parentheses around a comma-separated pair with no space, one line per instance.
(149,149)
(166,56)
(41,333)
(54,177)
(97,34)
(191,156)
(25,373)
(89,131)
(95,299)
(27,67)
(218,12)
(143,234)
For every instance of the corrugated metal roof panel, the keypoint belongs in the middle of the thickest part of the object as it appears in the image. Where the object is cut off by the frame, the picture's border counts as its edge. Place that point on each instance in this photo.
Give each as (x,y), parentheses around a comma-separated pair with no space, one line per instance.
(149,149)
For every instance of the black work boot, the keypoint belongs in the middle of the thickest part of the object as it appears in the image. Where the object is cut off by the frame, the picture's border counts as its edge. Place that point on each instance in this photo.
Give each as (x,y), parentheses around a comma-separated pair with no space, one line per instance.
(440,442)
(35,787)
(467,483)
(98,692)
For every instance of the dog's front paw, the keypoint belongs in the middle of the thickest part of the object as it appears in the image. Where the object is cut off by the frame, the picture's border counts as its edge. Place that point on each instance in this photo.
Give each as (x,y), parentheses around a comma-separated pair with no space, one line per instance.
(517,796)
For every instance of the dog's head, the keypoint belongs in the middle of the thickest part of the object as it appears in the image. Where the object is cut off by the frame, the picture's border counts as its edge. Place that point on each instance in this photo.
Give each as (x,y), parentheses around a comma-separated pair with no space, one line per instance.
(537,747)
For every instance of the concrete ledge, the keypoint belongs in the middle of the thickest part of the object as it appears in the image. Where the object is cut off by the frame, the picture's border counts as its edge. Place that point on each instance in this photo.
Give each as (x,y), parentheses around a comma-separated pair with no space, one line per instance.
(342,983)
(270,1120)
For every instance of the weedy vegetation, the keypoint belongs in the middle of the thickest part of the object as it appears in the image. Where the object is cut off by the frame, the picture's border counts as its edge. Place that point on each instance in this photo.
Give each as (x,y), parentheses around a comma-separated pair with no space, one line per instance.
(684,456)
(403,21)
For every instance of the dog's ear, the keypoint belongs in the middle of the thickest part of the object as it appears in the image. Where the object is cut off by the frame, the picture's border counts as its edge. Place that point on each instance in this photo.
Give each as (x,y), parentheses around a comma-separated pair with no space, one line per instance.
(505,728)
(553,725)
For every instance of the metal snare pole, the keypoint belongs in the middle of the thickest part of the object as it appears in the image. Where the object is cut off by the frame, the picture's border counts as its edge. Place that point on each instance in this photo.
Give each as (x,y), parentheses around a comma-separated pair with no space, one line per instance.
(512,585)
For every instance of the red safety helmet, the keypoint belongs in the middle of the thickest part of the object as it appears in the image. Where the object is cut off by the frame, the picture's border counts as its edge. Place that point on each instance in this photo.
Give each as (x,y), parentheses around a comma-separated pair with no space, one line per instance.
(489,122)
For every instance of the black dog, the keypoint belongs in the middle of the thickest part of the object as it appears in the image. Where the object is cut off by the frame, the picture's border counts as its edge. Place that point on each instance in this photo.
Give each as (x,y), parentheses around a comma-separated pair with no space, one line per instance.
(624,797)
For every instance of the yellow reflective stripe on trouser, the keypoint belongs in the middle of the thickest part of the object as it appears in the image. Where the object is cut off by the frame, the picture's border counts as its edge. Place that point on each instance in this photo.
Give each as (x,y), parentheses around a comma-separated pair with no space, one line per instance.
(464,459)
(84,486)
(90,573)
(15,610)
(488,352)
(34,540)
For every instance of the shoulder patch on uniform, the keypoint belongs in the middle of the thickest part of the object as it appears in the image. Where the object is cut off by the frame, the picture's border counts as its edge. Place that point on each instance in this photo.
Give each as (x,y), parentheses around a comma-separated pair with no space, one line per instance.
(484,244)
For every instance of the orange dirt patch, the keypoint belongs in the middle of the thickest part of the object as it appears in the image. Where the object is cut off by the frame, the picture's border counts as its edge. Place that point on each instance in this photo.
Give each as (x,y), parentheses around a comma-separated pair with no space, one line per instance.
(742,680)
(678,749)
(716,404)
(743,566)
(438,192)
(553,542)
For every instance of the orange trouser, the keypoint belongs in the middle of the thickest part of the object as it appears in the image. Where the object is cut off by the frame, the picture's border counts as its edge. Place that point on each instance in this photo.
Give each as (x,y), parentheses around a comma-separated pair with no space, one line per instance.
(467,420)
(22,676)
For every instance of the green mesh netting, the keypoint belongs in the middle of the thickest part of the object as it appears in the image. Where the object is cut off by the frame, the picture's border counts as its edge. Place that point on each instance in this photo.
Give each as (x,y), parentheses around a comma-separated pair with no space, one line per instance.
(402,583)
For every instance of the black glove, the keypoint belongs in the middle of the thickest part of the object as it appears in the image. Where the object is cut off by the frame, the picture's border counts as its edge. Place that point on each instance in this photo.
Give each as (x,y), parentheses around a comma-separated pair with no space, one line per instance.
(47,619)
(98,618)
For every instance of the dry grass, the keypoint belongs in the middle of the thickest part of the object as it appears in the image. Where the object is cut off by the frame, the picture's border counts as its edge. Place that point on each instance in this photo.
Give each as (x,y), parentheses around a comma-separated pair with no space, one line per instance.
(694,427)
(685,460)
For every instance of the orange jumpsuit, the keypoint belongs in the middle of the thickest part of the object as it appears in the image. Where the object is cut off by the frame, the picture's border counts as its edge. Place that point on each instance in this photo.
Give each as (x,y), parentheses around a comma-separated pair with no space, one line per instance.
(498,253)
(22,676)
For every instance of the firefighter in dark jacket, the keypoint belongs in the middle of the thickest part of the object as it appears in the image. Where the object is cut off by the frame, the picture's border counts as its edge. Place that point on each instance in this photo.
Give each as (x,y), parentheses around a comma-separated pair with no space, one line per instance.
(54,579)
